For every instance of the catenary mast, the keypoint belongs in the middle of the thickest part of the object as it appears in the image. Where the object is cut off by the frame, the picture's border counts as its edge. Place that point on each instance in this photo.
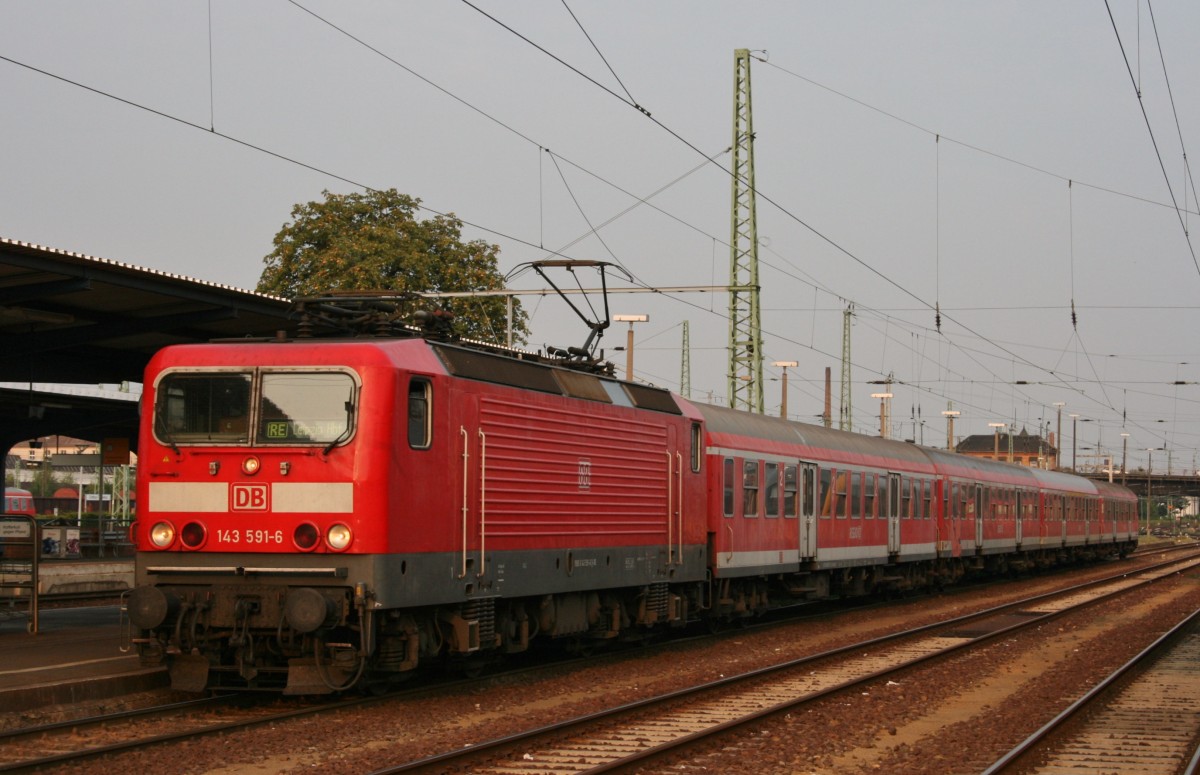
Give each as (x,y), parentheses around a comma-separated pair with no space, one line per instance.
(745,332)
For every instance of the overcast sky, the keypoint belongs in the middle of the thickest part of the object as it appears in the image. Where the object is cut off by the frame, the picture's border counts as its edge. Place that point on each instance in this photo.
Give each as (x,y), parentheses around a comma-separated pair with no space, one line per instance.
(178,136)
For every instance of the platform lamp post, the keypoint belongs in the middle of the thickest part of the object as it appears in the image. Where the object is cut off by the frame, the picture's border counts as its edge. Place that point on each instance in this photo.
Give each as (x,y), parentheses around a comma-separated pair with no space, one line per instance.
(630,319)
(950,414)
(884,420)
(785,365)
(996,426)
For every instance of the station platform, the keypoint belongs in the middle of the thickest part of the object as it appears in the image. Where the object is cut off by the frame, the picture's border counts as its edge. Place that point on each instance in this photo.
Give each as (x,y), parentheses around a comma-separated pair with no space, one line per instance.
(68,577)
(75,656)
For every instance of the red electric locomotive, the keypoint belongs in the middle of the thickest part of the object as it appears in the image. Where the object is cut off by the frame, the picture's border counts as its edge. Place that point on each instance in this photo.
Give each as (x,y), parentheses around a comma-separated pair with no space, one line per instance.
(313,512)
(320,513)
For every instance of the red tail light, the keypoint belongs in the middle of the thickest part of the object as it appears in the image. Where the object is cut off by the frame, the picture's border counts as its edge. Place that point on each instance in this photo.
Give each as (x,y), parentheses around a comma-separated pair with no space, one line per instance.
(193,535)
(306,536)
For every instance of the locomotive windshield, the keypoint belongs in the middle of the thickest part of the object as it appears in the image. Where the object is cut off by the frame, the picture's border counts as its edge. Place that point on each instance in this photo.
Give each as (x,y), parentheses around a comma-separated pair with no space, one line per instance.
(285,407)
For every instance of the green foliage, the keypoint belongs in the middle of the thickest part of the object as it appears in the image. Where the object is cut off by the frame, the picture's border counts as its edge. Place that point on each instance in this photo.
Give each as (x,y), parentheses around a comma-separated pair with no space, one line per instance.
(374,241)
(45,482)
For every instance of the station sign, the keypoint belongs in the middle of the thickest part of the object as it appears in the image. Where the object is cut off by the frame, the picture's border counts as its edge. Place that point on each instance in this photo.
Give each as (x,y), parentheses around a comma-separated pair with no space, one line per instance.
(14,529)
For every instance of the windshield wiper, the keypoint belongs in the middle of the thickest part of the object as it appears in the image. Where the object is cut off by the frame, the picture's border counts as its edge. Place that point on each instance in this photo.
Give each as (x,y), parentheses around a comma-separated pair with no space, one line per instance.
(346,433)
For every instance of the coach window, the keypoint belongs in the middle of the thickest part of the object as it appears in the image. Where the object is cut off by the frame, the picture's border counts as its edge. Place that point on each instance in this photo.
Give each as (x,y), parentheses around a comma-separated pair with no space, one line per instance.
(771,482)
(789,491)
(841,487)
(808,476)
(870,495)
(827,496)
(750,488)
(420,428)
(696,440)
(856,488)
(727,482)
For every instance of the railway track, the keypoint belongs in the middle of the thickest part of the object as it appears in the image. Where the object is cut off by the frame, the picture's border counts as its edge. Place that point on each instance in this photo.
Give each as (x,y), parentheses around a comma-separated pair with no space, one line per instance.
(56,744)
(1142,718)
(30,749)
(670,724)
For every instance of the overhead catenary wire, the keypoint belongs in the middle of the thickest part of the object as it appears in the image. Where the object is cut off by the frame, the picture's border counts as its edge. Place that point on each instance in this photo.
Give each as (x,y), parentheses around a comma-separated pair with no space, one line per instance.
(631,102)
(759,193)
(971,146)
(791,215)
(599,52)
(1153,141)
(492,231)
(1187,170)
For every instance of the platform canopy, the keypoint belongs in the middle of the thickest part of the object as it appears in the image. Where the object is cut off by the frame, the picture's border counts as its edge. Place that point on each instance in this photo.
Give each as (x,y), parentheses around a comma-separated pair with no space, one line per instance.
(71,318)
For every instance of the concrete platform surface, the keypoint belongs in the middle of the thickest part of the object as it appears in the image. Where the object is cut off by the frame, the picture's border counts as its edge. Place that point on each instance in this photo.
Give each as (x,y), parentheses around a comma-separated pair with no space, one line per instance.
(65,577)
(75,656)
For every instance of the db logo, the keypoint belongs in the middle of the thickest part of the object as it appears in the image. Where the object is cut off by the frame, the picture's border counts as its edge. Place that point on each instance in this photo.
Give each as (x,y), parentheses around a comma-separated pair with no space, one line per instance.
(585,474)
(250,497)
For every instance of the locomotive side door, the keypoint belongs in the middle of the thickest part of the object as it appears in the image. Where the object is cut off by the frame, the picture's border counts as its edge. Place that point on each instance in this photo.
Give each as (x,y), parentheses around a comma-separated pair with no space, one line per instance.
(471,457)
(808,511)
(893,512)
(674,514)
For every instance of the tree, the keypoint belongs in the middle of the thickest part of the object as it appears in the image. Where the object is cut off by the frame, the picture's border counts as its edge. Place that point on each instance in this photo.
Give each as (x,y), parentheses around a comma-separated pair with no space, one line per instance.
(374,241)
(45,482)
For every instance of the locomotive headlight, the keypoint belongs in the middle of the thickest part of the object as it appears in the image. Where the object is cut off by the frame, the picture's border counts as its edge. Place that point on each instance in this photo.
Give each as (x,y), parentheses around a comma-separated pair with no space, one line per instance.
(338,537)
(251,465)
(162,534)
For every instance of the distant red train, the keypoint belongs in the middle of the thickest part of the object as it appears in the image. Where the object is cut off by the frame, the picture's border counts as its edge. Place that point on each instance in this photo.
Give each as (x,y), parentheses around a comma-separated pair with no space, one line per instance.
(18,501)
(320,513)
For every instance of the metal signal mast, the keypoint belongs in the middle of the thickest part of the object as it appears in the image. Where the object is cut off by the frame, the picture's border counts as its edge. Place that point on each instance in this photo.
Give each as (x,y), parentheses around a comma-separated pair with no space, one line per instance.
(685,365)
(745,332)
(845,418)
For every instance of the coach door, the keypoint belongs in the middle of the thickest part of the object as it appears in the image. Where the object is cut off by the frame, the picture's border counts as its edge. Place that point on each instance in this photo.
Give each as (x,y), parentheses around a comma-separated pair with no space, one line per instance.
(1020,514)
(808,511)
(893,513)
(978,517)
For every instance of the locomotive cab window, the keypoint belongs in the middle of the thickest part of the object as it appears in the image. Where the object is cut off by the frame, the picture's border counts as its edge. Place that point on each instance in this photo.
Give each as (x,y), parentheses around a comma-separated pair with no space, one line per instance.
(263,408)
(306,408)
(203,408)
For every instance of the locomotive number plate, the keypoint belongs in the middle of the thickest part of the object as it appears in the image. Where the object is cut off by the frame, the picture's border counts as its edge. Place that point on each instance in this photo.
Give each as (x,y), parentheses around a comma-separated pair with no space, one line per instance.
(249,536)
